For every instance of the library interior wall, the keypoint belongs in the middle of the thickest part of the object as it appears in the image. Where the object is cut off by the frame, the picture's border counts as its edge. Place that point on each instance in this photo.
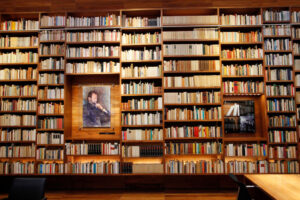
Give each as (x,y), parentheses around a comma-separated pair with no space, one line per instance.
(79,5)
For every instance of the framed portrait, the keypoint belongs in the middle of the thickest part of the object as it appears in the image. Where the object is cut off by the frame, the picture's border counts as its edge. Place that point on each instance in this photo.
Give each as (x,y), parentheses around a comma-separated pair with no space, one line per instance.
(96,106)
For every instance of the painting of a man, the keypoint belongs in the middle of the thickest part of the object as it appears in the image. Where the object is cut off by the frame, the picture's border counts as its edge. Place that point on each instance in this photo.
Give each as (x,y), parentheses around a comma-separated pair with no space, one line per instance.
(96,106)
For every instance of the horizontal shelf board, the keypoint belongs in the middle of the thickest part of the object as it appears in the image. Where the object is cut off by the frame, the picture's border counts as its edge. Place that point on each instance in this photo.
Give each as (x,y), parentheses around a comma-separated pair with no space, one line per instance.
(141,61)
(141,126)
(273,97)
(195,174)
(188,25)
(133,95)
(55,55)
(96,155)
(51,70)
(251,76)
(243,94)
(281,112)
(141,28)
(91,139)
(18,158)
(190,56)
(143,110)
(276,22)
(191,121)
(45,160)
(100,73)
(141,45)
(283,158)
(296,39)
(191,40)
(277,36)
(20,142)
(242,59)
(18,97)
(192,72)
(13,48)
(193,138)
(92,58)
(282,143)
(142,158)
(5,126)
(243,139)
(142,78)
(19,111)
(49,115)
(52,85)
(142,141)
(50,99)
(296,55)
(192,104)
(21,31)
(191,155)
(17,64)
(282,127)
(241,26)
(18,80)
(50,145)
(50,27)
(52,41)
(92,27)
(247,157)
(191,88)
(92,42)
(280,81)
(274,66)
(45,129)
(278,51)
(241,43)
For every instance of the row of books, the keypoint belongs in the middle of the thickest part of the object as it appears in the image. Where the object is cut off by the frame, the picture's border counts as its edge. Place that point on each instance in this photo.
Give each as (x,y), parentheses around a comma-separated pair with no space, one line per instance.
(142,119)
(140,88)
(297,80)
(279,59)
(49,154)
(50,138)
(17,120)
(50,93)
(281,136)
(18,74)
(191,49)
(197,113)
(276,15)
(283,152)
(195,148)
(100,167)
(94,51)
(18,90)
(296,48)
(242,53)
(56,35)
(192,97)
(280,166)
(235,19)
(199,131)
(142,168)
(142,134)
(193,81)
(109,20)
(17,167)
(19,57)
(52,49)
(93,67)
(238,166)
(18,105)
(238,36)
(146,54)
(278,44)
(295,16)
(296,63)
(9,41)
(191,65)
(277,30)
(243,87)
(18,135)
(141,71)
(190,20)
(51,123)
(20,25)
(141,38)
(140,21)
(50,168)
(142,151)
(194,167)
(280,90)
(93,149)
(94,36)
(281,104)
(282,121)
(281,75)
(51,78)
(195,34)
(52,63)
(53,20)
(142,104)
(242,70)
(51,108)
(295,33)
(15,151)
(246,150)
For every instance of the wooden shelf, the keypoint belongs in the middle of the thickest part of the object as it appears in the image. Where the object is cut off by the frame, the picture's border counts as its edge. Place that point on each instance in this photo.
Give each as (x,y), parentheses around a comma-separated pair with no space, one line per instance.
(193,138)
(192,72)
(277,36)
(142,126)
(19,112)
(54,130)
(14,48)
(19,97)
(241,43)
(282,127)
(19,31)
(92,42)
(242,59)
(51,85)
(51,70)
(190,56)
(280,81)
(243,139)
(278,51)
(47,56)
(143,78)
(47,160)
(191,155)
(148,28)
(50,115)
(192,120)
(17,64)
(191,40)
(143,110)
(51,27)
(282,143)
(93,58)
(15,126)
(50,145)
(279,66)
(242,77)
(141,45)
(97,155)
(188,25)
(243,94)
(18,80)
(141,141)
(20,142)
(141,61)
(191,88)
(18,158)
(88,74)
(52,41)
(275,22)
(241,26)
(90,27)
(192,104)
(247,157)
(283,159)
(285,97)
(281,112)
(50,99)
(140,95)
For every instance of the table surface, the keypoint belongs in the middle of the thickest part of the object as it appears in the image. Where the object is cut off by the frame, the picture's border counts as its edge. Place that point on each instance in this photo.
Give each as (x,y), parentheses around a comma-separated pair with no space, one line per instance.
(285,186)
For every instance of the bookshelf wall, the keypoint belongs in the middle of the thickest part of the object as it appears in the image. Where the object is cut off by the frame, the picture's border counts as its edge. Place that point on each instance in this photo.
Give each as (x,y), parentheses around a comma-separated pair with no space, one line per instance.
(172,75)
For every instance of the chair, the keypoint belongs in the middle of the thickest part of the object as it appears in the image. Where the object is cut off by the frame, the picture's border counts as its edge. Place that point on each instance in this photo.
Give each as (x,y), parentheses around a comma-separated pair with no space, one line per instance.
(27,189)
(243,193)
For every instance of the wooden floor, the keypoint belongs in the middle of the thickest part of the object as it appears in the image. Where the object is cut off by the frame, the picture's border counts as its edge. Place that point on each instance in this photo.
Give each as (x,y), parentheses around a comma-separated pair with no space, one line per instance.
(93,195)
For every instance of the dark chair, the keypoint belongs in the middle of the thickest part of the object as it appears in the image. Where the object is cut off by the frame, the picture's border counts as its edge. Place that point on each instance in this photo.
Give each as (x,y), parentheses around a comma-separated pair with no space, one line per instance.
(27,189)
(243,193)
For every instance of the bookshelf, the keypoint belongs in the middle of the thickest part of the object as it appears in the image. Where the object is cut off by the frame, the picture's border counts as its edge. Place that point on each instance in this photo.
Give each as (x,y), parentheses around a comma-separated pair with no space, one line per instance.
(173,75)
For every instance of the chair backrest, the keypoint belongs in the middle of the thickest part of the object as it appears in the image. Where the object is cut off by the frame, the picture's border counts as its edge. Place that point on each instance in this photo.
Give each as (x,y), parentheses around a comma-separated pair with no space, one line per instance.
(243,193)
(27,189)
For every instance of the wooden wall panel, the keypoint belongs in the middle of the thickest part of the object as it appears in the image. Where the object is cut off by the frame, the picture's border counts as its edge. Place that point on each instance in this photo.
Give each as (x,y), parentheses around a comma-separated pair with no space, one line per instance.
(79,5)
